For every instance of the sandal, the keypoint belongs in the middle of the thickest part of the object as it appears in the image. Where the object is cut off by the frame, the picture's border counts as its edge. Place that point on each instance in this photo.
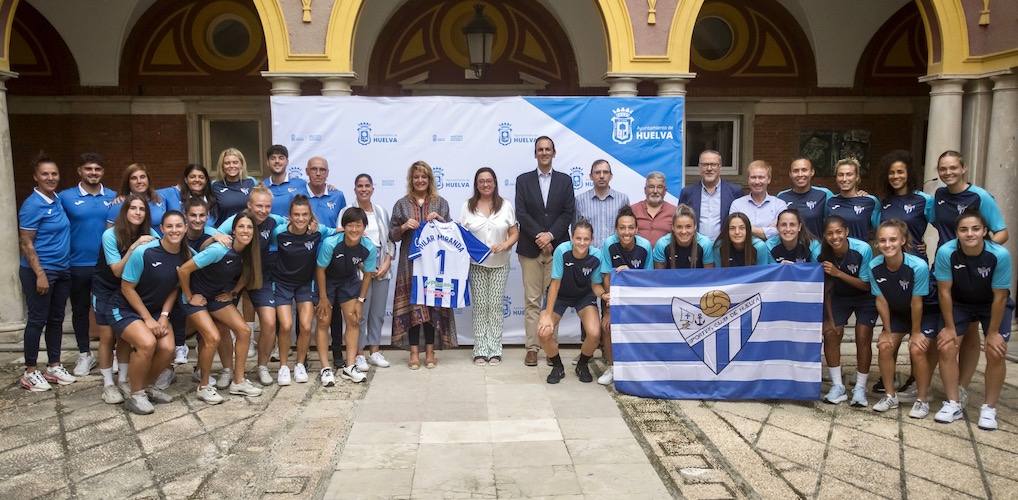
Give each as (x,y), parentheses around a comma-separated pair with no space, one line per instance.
(480,361)
(430,364)
(414,362)
(495,360)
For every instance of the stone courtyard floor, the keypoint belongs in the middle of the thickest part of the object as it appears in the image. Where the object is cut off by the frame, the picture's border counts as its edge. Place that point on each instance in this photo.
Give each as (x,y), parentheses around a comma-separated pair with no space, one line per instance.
(461,431)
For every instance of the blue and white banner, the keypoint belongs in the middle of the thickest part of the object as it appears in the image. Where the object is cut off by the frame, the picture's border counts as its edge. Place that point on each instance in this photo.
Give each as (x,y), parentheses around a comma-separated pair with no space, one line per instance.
(382,136)
(731,333)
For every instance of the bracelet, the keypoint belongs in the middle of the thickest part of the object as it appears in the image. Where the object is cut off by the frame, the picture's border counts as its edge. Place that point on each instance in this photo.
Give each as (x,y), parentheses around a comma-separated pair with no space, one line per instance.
(164,314)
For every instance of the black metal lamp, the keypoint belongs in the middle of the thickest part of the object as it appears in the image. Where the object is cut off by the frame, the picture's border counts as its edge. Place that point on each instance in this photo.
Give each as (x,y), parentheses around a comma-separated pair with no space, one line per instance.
(480,33)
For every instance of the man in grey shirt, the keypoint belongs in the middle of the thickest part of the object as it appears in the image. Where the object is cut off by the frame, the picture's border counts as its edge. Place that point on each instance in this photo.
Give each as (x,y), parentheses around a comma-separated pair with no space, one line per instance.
(600,204)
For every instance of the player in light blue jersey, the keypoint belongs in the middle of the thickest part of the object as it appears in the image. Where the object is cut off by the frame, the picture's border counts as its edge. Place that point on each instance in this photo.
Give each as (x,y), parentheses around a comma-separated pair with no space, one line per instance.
(684,247)
(283,186)
(736,245)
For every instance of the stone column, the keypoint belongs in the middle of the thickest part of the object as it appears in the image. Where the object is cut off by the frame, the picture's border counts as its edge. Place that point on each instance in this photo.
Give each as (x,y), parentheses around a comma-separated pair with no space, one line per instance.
(338,84)
(12,306)
(283,84)
(975,125)
(1002,156)
(622,86)
(673,87)
(944,129)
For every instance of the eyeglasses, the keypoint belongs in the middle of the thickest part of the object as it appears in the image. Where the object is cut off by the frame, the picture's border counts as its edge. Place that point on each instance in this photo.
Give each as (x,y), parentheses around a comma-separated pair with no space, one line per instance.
(710,165)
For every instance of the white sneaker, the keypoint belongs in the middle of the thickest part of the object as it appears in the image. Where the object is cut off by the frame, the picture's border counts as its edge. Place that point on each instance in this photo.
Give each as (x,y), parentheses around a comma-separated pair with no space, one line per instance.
(948,413)
(59,375)
(607,377)
(197,379)
(886,403)
(378,360)
(165,379)
(180,355)
(157,396)
(209,395)
(112,395)
(125,389)
(328,378)
(859,397)
(920,409)
(836,395)
(300,374)
(86,361)
(35,382)
(264,377)
(283,377)
(361,363)
(139,404)
(352,374)
(987,418)
(225,379)
(245,388)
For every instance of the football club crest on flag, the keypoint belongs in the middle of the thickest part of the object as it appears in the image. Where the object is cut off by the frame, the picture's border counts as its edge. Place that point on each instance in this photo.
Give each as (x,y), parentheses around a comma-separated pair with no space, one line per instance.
(733,333)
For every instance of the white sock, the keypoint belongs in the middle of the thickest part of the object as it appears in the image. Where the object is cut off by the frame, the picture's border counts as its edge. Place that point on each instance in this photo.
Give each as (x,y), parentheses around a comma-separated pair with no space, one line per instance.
(122,374)
(107,374)
(860,379)
(835,375)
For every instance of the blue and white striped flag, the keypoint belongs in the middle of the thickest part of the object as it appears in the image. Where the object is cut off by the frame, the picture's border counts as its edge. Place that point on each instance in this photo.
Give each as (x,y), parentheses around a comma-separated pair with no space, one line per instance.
(733,333)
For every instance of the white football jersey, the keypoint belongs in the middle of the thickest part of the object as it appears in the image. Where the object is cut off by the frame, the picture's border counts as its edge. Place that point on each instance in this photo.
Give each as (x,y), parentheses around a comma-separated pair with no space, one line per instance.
(441,254)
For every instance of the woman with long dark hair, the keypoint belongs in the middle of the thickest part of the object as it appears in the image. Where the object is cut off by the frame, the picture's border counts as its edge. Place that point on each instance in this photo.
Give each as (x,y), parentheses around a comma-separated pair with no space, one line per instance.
(684,247)
(194,183)
(136,181)
(736,245)
(793,243)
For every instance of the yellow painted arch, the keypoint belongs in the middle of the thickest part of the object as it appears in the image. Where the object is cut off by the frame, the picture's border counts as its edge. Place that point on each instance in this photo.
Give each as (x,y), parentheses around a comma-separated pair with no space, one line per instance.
(5,57)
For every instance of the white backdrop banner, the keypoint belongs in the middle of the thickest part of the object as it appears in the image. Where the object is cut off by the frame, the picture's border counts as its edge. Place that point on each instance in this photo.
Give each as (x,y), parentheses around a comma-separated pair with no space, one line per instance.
(382,136)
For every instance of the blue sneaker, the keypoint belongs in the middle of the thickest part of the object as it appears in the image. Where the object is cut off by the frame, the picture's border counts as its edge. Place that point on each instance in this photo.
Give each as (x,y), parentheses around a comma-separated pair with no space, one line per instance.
(836,395)
(859,397)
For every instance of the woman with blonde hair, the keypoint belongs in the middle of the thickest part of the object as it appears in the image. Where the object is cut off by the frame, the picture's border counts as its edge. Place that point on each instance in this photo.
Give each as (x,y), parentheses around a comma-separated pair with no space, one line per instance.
(420,205)
(232,189)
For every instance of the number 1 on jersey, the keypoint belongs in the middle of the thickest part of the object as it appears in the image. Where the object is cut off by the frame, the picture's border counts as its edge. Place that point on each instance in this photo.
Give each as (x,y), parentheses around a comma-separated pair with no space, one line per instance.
(441,261)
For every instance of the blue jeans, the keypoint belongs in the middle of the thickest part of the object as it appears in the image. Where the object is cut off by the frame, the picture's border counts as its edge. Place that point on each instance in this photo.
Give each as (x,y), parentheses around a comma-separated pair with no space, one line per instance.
(81,303)
(44,311)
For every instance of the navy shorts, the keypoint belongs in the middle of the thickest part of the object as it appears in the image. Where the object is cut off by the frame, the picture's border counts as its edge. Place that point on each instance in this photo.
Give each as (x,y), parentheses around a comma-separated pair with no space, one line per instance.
(122,318)
(211,305)
(929,325)
(264,296)
(864,308)
(964,314)
(564,303)
(288,294)
(101,307)
(339,292)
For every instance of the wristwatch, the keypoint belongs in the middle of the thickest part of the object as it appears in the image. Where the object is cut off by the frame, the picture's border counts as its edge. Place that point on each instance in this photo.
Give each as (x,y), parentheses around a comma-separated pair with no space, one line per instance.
(361,299)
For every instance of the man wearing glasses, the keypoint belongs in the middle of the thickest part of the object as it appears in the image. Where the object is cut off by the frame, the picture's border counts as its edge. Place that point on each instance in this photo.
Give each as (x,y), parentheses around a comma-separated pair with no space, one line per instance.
(712,197)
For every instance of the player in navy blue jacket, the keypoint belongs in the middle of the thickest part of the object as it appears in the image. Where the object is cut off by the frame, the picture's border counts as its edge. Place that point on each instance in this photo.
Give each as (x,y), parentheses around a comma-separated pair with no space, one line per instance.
(210,283)
(623,250)
(233,189)
(899,280)
(905,200)
(576,282)
(345,266)
(973,279)
(846,292)
(147,290)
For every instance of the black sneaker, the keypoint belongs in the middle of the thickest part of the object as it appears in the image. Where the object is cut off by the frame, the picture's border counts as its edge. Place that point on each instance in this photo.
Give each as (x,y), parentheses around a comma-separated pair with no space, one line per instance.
(583,372)
(908,385)
(557,374)
(879,387)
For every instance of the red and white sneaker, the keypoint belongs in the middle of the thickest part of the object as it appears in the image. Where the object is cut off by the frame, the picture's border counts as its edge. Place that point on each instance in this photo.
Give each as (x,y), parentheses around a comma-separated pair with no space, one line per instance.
(59,375)
(35,382)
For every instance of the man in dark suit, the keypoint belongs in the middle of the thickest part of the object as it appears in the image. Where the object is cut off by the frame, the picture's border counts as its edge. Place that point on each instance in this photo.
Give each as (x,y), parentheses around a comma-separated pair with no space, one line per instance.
(712,197)
(544,209)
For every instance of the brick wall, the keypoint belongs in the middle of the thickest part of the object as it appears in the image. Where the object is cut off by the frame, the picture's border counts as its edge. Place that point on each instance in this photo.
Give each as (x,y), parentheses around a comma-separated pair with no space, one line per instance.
(158,141)
(776,140)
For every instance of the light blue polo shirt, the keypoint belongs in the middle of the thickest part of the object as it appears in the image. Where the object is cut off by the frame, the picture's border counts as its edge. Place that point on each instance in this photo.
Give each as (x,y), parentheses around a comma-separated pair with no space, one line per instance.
(46,216)
(283,193)
(327,206)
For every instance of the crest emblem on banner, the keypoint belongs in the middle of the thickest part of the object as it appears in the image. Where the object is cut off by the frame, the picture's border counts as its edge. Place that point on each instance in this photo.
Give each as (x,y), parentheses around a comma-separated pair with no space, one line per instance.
(715,328)
(439,177)
(505,133)
(507,306)
(363,133)
(622,125)
(576,174)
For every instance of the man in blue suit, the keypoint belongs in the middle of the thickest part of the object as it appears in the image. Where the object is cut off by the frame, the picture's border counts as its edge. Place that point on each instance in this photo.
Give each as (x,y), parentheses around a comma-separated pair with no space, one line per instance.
(712,197)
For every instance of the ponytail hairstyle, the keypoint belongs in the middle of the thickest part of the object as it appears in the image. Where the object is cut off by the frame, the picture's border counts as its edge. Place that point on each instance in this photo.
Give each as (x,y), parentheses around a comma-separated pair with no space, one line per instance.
(826,251)
(584,224)
(625,211)
(126,233)
(185,250)
(251,274)
(302,201)
(725,240)
(683,210)
(195,201)
(970,214)
(902,228)
(805,238)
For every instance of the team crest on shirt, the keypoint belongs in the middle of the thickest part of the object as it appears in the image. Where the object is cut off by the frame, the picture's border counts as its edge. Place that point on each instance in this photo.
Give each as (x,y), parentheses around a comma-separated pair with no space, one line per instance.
(909,208)
(586,270)
(265,234)
(858,210)
(961,209)
(983,271)
(245,190)
(853,268)
(904,284)
(356,260)
(330,204)
(309,245)
(811,205)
